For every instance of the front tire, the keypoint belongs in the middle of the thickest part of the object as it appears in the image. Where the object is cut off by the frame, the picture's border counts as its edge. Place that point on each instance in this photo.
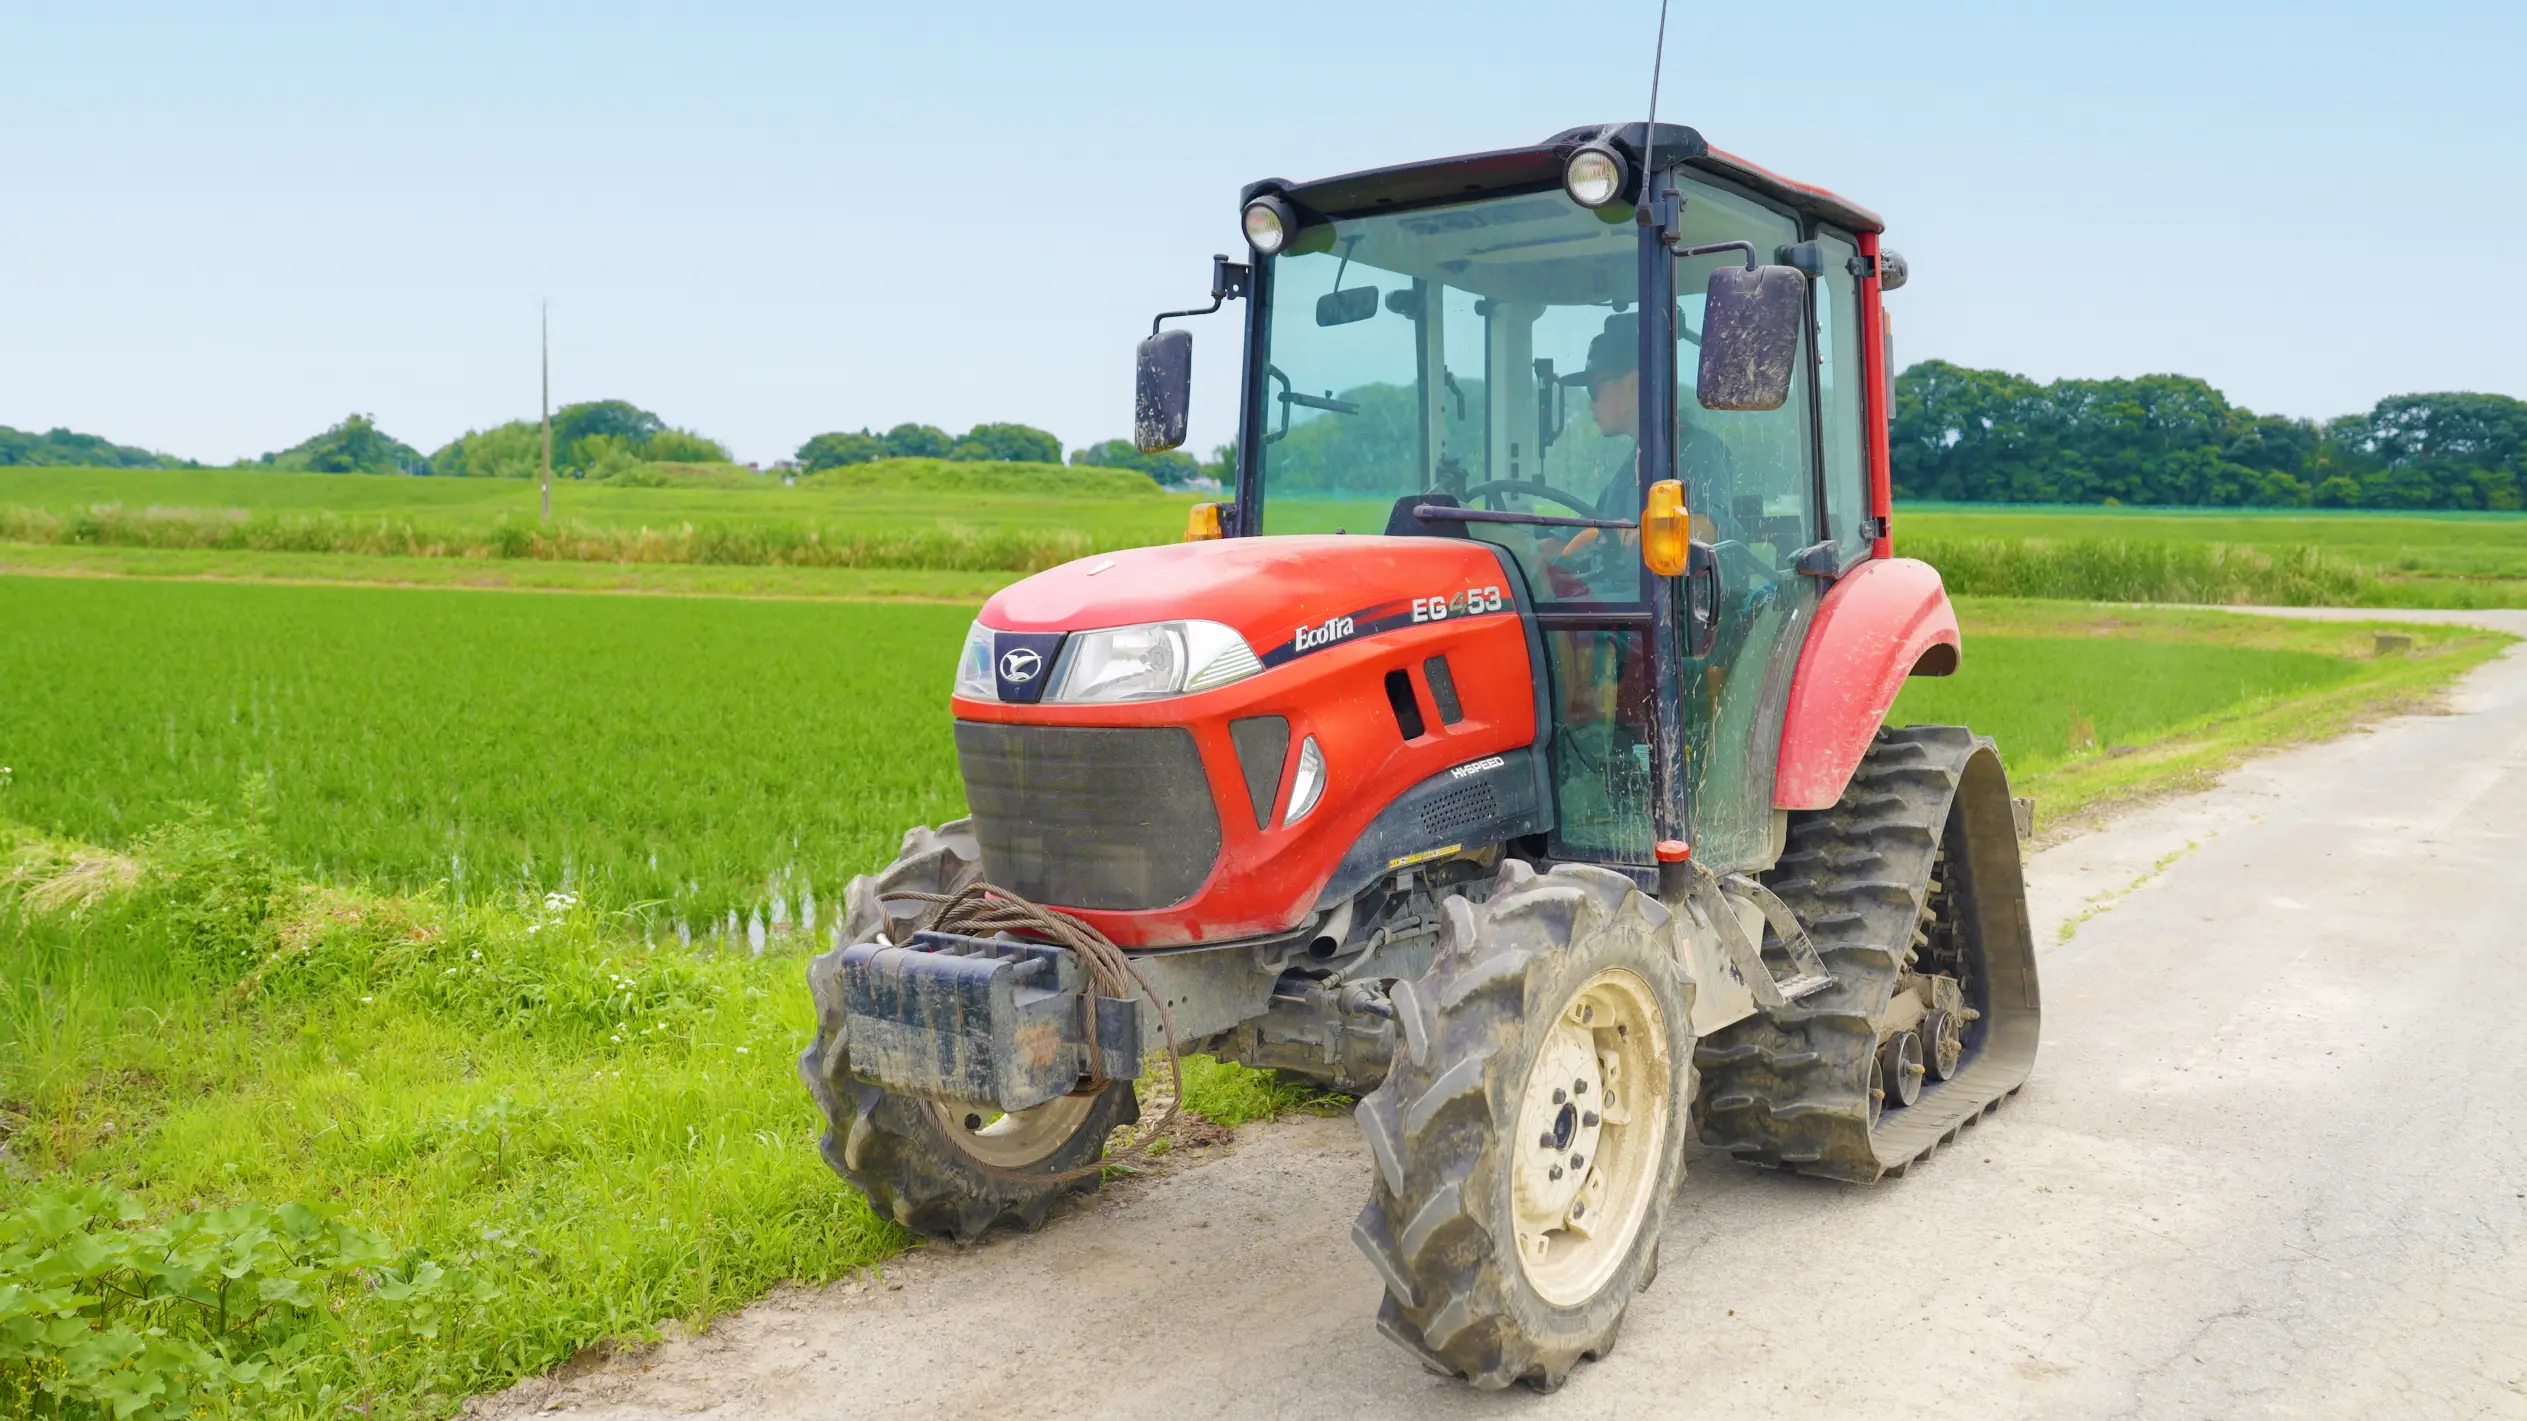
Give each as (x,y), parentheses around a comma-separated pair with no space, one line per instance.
(946,1170)
(1511,1222)
(938,1168)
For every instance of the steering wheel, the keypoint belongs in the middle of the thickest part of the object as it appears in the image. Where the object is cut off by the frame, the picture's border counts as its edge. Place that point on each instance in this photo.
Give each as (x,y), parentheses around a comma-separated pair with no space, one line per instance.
(1496,488)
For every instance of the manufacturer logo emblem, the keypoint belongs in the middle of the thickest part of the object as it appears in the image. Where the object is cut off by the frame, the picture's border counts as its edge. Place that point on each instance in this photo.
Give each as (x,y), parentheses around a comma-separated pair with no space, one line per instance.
(1021,665)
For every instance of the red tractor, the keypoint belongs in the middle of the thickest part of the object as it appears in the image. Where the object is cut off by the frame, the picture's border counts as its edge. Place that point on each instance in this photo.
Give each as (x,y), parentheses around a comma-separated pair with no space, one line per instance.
(1510,751)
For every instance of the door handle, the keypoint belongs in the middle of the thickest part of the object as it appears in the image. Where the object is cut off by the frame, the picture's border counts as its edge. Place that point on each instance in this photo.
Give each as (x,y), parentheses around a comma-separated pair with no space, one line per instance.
(1702,615)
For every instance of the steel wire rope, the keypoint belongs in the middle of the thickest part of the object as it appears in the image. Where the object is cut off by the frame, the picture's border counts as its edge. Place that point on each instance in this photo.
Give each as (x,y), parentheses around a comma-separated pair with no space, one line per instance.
(980,910)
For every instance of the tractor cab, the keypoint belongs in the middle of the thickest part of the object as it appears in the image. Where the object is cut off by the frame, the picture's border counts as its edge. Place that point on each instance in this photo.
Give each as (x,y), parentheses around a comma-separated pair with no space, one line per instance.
(1504,340)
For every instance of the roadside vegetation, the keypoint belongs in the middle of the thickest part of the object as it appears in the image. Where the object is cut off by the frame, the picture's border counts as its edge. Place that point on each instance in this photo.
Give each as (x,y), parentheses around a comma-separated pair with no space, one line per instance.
(272,1148)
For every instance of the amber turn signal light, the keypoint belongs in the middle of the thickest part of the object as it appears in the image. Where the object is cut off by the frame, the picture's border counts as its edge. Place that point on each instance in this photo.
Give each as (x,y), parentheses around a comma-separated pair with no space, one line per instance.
(1666,532)
(1203,524)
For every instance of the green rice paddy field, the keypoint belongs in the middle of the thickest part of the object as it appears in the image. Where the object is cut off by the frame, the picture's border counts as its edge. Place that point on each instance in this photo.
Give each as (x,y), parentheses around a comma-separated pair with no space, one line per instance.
(718,763)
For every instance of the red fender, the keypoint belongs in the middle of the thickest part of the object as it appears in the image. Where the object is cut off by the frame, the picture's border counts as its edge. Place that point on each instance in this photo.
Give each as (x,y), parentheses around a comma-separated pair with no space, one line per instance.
(1887,620)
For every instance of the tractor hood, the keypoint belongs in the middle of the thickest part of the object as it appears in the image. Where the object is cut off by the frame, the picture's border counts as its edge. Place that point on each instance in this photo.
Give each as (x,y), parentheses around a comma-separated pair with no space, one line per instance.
(1288,596)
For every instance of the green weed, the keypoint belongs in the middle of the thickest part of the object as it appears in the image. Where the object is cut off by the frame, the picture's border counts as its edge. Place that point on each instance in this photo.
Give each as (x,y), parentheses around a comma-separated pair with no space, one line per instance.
(528,1131)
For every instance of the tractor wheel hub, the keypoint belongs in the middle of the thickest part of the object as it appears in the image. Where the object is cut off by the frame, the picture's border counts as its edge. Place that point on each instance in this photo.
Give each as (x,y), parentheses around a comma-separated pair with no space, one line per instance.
(1588,1132)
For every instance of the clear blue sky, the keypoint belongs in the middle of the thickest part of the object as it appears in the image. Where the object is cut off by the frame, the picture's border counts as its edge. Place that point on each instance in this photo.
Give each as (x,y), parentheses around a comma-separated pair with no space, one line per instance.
(225,226)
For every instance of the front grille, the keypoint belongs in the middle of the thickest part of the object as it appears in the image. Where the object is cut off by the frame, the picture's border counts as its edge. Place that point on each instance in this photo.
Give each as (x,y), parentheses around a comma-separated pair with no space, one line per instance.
(1090,817)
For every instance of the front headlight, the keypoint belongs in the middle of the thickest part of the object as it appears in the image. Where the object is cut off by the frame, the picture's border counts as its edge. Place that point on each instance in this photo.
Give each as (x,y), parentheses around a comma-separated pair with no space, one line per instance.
(973,667)
(1154,659)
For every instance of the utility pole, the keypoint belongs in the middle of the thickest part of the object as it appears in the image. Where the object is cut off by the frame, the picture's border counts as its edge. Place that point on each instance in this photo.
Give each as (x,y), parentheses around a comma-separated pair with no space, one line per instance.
(544,321)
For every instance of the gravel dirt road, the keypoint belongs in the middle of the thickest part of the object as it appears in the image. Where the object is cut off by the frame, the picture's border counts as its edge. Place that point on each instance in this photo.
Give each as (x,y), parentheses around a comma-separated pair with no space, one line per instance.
(2271,1164)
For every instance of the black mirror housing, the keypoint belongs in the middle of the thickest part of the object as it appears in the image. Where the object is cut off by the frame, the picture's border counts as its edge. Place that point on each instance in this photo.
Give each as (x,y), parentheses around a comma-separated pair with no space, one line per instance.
(1162,398)
(1751,319)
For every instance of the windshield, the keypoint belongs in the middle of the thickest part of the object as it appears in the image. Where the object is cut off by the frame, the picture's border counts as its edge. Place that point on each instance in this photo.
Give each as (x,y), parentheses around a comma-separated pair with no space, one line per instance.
(1487,351)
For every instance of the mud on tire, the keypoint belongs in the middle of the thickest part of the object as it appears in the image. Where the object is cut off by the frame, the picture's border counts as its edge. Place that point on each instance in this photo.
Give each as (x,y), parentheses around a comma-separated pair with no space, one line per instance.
(1442,1226)
(908,1156)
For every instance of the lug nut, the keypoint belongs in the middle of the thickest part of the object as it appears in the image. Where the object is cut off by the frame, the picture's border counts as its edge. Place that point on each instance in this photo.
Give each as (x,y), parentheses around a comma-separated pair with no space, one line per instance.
(1578,1160)
(1588,1117)
(1545,1140)
(1579,1087)
(1554,1173)
(1558,1096)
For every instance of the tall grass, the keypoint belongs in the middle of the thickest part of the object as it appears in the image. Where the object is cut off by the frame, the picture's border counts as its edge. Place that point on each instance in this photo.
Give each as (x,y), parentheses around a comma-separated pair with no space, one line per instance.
(750,543)
(2138,570)
(592,1134)
(601,1136)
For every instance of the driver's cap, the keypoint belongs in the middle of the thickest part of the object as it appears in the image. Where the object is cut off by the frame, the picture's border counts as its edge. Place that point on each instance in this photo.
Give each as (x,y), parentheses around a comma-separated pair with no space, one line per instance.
(1615,352)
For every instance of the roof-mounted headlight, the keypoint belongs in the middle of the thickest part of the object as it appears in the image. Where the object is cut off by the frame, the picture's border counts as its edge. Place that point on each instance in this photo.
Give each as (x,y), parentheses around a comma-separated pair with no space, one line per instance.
(1269,223)
(1594,175)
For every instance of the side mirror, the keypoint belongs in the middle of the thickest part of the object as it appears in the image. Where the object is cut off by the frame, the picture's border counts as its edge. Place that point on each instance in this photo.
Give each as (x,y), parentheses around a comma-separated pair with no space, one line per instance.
(1163,393)
(1751,317)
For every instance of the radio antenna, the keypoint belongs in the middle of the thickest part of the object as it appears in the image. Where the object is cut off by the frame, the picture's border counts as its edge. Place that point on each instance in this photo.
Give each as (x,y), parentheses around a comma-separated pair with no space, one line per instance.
(1649,131)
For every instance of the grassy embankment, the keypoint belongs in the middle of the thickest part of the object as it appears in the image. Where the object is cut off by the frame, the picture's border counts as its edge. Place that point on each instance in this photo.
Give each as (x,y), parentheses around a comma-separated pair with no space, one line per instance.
(2281,557)
(892,517)
(930,529)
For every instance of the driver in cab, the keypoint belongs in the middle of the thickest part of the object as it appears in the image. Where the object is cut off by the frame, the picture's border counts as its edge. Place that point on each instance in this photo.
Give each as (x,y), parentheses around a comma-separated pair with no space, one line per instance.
(1613,380)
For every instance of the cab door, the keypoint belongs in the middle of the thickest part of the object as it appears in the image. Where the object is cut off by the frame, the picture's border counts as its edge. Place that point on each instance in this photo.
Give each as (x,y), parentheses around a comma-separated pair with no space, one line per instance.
(1750,483)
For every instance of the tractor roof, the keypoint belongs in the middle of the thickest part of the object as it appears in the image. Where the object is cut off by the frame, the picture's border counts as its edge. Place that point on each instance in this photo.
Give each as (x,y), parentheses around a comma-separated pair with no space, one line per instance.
(1437,180)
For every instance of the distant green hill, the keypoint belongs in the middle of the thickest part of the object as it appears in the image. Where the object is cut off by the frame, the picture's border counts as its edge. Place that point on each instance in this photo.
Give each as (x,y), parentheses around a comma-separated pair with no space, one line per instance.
(60,448)
(355,446)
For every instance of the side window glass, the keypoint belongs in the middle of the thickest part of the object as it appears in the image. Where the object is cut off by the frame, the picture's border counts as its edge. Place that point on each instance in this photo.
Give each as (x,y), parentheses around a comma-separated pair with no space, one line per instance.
(1838,376)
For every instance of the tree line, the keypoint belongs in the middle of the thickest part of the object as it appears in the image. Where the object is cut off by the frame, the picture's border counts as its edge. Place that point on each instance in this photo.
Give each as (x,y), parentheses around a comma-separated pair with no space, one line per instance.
(601,438)
(1989,436)
(1012,443)
(61,448)
(1960,435)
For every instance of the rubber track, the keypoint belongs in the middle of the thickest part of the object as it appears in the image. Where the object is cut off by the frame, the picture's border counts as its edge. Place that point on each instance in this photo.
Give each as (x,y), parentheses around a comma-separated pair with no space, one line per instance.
(1790,1088)
(1436,1226)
